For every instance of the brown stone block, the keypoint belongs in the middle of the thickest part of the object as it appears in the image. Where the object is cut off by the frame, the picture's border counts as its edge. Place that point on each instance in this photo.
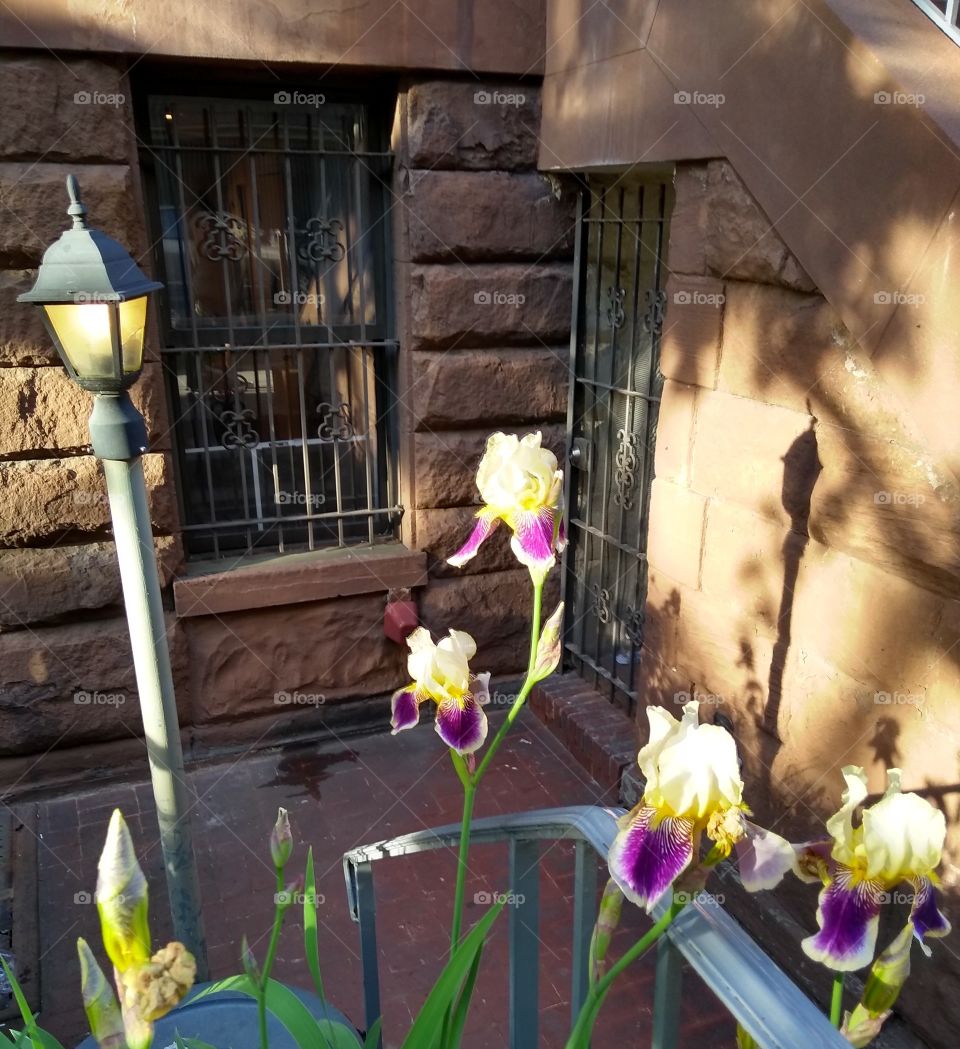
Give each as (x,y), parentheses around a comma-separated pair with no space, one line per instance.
(441,532)
(690,347)
(675,427)
(688,221)
(445,464)
(50,582)
(508,305)
(23,338)
(463,216)
(44,498)
(77,110)
(74,683)
(31,196)
(282,659)
(675,538)
(472,125)
(739,454)
(741,241)
(459,389)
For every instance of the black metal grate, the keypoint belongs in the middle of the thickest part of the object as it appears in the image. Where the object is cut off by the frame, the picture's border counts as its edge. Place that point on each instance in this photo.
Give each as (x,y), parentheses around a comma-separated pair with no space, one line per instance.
(616,397)
(273,247)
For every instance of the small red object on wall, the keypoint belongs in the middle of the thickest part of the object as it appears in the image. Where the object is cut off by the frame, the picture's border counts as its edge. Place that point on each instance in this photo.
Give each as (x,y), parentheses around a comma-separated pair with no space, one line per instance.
(400,618)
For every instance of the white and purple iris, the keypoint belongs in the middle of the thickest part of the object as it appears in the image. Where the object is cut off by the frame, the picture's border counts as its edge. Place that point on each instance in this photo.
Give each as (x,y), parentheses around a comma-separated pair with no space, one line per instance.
(520,484)
(441,673)
(693,786)
(899,840)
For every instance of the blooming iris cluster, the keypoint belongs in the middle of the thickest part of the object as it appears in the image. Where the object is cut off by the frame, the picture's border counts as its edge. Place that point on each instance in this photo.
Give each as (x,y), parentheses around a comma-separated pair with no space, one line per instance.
(521,485)
(899,840)
(441,673)
(693,787)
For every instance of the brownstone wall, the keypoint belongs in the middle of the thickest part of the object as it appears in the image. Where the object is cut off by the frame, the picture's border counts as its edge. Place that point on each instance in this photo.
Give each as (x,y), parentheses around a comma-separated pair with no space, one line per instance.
(483,246)
(803,545)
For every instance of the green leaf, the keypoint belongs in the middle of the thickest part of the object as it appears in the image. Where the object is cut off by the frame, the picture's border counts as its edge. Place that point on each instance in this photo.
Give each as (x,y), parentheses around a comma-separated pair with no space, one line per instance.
(29,1020)
(459,1019)
(427,1029)
(310,938)
(300,1023)
(372,1041)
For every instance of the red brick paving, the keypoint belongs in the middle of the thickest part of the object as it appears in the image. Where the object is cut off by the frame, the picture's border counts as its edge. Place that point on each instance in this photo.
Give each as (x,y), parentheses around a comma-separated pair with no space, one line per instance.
(340,796)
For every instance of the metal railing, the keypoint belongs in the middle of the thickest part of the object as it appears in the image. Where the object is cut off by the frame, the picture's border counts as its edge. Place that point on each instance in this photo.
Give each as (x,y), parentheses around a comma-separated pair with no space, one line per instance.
(946,13)
(763,998)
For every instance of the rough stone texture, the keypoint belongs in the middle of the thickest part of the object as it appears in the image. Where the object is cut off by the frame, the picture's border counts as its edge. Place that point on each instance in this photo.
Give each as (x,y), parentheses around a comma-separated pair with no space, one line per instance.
(75,683)
(41,409)
(463,216)
(675,534)
(472,125)
(494,609)
(30,198)
(690,345)
(23,338)
(688,221)
(272,660)
(65,109)
(446,463)
(740,240)
(466,388)
(441,532)
(675,427)
(45,498)
(508,305)
(52,582)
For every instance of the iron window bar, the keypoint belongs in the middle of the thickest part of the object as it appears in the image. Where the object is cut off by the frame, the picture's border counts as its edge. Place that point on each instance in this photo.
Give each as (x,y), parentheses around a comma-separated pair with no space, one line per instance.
(756,991)
(945,13)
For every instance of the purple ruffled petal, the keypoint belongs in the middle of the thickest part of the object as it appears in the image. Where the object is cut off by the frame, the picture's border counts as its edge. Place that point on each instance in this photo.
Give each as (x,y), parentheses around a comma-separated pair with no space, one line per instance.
(405,708)
(649,853)
(462,724)
(486,523)
(848,915)
(533,539)
(925,916)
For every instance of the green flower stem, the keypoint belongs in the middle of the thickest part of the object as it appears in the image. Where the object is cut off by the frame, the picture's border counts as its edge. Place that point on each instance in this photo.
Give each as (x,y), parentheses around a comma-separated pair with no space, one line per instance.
(261,987)
(836,1001)
(469,794)
(580,1034)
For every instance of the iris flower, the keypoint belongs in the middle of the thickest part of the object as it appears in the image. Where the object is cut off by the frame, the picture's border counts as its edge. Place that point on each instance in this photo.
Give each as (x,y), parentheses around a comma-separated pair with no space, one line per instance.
(693,786)
(441,673)
(899,840)
(520,484)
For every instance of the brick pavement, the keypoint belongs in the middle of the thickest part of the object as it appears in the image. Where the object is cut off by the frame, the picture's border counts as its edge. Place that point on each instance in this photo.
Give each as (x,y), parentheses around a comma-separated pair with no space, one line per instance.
(341,795)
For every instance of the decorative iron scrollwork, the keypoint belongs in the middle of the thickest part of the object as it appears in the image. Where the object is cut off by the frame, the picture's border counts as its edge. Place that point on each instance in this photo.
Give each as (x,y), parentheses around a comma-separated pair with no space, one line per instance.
(601,603)
(626,473)
(653,315)
(322,241)
(633,624)
(615,311)
(222,235)
(336,422)
(238,429)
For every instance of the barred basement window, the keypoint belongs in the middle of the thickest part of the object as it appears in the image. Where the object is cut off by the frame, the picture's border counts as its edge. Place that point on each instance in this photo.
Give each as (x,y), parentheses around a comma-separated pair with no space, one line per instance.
(271,239)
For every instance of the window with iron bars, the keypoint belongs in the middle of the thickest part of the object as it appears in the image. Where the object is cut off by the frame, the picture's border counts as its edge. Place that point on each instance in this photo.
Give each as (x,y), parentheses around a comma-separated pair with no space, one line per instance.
(272,242)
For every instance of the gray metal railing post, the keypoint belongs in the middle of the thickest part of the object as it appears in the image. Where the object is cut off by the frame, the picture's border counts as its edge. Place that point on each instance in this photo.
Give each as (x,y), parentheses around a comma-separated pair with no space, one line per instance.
(666,996)
(365,914)
(584,919)
(524,913)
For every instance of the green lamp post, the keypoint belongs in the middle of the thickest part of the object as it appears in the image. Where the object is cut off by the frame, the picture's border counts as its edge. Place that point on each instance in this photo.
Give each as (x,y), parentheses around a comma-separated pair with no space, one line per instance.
(94,300)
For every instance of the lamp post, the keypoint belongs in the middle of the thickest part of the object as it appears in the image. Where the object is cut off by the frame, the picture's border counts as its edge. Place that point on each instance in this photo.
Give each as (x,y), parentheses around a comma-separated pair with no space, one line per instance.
(94,300)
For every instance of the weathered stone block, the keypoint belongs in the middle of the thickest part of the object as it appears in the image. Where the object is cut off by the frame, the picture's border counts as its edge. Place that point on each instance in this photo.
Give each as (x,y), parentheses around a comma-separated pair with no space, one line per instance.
(466,216)
(675,423)
(31,195)
(445,464)
(44,498)
(50,582)
(675,537)
(741,241)
(688,221)
(77,110)
(75,683)
(508,305)
(23,338)
(442,531)
(271,661)
(466,388)
(690,347)
(754,454)
(465,124)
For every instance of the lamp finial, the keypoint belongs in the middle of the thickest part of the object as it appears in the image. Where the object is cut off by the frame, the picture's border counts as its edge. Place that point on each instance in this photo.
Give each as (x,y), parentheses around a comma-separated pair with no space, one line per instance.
(77,209)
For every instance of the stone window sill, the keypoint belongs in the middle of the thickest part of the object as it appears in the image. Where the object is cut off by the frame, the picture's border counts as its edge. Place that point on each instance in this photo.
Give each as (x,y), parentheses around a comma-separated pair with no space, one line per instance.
(287,579)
